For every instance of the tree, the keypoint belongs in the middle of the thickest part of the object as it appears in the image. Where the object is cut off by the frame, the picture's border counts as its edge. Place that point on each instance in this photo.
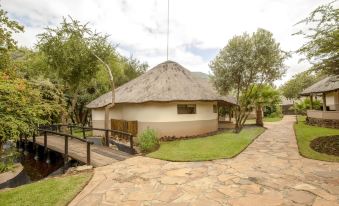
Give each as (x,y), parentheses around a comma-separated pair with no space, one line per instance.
(322,47)
(26,104)
(72,52)
(293,87)
(7,43)
(263,96)
(246,62)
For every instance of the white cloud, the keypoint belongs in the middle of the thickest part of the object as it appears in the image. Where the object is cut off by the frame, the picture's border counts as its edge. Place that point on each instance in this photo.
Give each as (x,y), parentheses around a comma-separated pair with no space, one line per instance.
(139,27)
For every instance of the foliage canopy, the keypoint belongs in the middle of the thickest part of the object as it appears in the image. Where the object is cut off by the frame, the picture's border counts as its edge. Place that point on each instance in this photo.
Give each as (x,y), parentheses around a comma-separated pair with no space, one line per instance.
(247,61)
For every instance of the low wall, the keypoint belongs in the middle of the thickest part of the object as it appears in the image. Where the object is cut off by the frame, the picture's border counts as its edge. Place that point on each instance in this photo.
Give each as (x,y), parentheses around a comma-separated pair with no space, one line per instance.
(328,115)
(330,123)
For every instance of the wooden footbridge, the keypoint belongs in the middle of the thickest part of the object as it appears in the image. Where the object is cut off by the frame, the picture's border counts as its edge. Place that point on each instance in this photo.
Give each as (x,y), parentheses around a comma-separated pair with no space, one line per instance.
(82,149)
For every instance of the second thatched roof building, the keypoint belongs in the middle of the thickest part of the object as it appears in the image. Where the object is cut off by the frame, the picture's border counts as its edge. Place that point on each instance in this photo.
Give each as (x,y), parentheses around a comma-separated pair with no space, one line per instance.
(168,98)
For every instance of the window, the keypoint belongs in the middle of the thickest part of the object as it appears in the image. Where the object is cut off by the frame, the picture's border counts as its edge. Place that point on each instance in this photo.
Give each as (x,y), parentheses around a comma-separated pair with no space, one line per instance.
(186,109)
(215,108)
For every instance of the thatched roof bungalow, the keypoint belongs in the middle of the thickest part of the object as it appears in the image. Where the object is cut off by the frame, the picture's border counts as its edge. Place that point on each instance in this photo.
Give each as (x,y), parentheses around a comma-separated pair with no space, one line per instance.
(168,98)
(328,88)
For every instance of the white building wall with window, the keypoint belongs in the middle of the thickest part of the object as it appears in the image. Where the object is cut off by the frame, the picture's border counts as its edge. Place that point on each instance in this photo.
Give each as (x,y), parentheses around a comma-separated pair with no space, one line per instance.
(163,117)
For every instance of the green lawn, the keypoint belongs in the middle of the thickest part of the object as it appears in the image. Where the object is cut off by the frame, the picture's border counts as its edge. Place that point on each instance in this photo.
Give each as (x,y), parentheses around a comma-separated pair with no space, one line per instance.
(225,145)
(51,191)
(306,133)
(78,133)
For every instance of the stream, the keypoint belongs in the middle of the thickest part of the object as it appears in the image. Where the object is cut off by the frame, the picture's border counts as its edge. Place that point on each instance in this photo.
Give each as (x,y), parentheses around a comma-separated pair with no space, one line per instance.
(33,170)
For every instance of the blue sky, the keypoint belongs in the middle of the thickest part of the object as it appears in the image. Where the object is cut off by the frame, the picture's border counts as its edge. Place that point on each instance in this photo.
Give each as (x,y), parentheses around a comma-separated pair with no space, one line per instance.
(198,28)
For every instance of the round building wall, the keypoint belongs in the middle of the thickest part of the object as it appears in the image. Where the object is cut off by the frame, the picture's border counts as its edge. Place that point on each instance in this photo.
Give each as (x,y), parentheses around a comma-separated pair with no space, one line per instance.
(163,117)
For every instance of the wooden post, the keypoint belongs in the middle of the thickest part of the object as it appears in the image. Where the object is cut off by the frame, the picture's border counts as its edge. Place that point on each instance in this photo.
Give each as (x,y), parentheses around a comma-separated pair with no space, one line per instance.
(83,133)
(45,141)
(131,142)
(34,140)
(106,138)
(71,129)
(66,153)
(311,98)
(324,102)
(88,153)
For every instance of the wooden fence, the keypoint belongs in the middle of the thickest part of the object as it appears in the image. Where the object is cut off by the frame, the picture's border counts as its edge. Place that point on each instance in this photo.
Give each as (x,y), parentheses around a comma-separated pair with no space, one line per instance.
(125,126)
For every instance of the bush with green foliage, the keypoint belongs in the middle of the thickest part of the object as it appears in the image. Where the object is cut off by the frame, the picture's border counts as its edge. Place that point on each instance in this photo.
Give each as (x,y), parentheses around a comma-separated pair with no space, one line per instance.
(273,111)
(148,141)
(302,106)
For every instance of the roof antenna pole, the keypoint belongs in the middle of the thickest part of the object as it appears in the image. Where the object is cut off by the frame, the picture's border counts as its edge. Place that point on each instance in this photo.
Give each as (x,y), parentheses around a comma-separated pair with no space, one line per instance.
(167,26)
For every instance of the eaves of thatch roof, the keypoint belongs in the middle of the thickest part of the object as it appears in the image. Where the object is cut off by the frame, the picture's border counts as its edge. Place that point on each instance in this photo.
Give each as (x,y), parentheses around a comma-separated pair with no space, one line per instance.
(166,82)
(327,84)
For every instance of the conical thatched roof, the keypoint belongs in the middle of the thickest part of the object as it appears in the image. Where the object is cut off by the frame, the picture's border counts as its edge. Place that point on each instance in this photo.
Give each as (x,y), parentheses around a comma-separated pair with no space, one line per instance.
(327,84)
(166,82)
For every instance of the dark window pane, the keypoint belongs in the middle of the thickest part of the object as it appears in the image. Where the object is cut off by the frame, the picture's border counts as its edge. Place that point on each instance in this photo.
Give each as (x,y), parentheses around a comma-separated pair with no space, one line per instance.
(186,109)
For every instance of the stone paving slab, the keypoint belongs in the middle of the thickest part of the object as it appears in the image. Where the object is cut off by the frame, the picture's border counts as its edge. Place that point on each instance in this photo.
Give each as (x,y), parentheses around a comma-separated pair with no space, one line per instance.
(269,172)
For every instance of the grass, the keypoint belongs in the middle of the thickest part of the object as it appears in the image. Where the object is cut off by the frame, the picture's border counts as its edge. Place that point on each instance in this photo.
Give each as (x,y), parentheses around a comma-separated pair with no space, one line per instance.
(51,191)
(266,119)
(306,133)
(78,133)
(272,119)
(224,145)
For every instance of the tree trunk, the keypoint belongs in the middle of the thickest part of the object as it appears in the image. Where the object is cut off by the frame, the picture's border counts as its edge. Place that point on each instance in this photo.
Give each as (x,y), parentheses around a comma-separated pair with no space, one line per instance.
(74,101)
(109,106)
(238,120)
(259,116)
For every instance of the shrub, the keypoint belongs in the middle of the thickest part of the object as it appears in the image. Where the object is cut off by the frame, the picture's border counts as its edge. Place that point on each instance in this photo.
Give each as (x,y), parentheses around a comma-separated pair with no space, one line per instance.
(148,141)
(302,106)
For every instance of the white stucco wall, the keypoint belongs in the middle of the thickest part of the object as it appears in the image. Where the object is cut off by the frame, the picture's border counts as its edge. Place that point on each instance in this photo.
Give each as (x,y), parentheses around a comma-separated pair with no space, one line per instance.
(332,100)
(157,114)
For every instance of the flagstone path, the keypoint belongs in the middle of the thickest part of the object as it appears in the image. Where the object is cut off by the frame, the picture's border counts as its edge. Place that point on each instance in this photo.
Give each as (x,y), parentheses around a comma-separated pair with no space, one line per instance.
(269,172)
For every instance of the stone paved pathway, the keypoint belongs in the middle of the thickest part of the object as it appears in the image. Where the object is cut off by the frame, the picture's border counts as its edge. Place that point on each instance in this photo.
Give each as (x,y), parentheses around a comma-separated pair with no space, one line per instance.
(269,172)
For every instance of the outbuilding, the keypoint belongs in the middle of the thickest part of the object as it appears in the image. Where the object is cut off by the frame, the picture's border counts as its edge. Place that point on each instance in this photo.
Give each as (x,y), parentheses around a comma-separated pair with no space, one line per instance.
(168,98)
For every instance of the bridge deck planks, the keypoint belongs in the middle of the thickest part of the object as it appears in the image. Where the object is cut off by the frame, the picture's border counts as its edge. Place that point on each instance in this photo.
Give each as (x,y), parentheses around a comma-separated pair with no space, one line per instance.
(100,155)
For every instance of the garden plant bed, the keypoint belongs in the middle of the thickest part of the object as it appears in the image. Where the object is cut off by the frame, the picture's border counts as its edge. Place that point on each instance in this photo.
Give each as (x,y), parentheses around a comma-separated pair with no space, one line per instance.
(328,145)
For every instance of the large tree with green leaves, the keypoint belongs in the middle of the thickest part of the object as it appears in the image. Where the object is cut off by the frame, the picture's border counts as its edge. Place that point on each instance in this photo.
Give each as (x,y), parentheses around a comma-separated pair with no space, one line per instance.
(7,43)
(74,52)
(293,87)
(247,61)
(322,34)
(263,96)
(26,104)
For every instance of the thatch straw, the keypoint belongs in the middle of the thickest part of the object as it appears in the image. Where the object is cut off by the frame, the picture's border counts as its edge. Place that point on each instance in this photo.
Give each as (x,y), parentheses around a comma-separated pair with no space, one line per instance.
(166,82)
(327,84)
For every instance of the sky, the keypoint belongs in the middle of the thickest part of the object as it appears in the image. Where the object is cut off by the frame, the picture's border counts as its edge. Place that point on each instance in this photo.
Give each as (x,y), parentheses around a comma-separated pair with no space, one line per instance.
(198,29)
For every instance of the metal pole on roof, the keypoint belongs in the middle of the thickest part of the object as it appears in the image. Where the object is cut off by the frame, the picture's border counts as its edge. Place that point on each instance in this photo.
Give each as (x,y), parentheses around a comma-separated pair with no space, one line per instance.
(167,26)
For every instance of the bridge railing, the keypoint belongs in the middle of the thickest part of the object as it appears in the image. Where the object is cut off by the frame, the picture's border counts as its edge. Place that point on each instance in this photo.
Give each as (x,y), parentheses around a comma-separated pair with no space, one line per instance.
(107,131)
(66,136)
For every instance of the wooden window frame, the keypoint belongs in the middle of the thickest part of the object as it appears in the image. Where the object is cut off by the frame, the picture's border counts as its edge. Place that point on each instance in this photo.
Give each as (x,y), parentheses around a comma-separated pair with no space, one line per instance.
(186,108)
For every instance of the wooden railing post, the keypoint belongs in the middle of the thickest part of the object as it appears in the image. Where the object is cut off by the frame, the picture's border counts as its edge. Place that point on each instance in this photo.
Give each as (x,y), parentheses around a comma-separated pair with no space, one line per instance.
(106,138)
(45,141)
(88,153)
(34,140)
(66,152)
(83,133)
(131,142)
